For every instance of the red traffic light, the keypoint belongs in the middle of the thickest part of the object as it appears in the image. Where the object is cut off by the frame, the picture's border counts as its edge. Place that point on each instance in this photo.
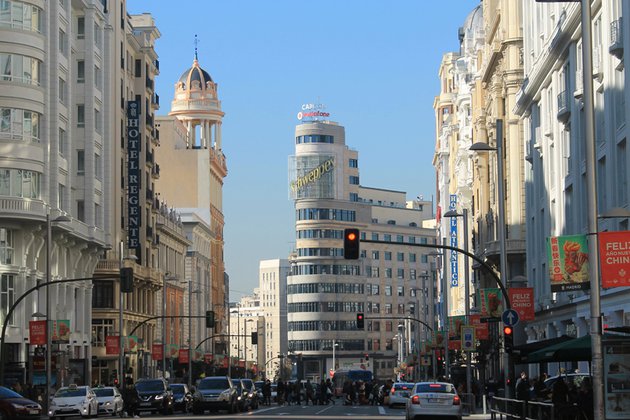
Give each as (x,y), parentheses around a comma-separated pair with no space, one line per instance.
(507,330)
(352,236)
(351,247)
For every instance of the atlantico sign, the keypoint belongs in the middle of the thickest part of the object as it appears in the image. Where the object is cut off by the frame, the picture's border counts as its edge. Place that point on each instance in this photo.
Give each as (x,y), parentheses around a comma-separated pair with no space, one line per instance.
(313,175)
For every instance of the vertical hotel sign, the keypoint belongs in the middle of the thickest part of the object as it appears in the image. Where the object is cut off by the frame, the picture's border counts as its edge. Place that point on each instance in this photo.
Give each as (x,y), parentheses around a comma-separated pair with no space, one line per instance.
(453,234)
(133,174)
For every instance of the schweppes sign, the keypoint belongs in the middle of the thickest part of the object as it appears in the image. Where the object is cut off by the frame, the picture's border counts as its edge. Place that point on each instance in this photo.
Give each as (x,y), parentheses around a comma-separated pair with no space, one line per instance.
(313,175)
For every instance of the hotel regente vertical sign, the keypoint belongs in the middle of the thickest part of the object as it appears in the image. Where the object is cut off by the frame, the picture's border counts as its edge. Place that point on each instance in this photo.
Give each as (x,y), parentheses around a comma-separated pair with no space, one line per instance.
(133,175)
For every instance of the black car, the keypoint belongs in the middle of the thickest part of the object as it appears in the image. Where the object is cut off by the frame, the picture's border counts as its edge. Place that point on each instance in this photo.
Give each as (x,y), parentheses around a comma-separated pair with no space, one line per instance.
(182,398)
(154,395)
(15,406)
(215,393)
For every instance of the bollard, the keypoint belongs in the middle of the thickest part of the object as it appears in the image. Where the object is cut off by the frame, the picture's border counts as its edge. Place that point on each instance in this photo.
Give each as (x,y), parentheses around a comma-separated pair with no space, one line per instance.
(484,403)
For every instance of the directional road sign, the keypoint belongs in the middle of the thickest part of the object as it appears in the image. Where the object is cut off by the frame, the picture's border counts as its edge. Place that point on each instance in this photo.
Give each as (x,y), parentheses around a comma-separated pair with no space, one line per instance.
(510,317)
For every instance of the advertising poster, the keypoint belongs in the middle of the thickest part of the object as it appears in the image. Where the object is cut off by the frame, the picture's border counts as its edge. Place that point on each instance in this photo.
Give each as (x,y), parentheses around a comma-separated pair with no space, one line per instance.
(156,352)
(183,356)
(131,344)
(614,257)
(197,355)
(311,176)
(172,351)
(491,303)
(37,332)
(568,262)
(522,300)
(112,344)
(438,342)
(481,328)
(617,378)
(455,326)
(61,331)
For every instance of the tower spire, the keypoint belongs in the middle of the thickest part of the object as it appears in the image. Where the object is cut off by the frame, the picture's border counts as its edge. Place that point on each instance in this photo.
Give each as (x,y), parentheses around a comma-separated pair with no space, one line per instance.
(196,42)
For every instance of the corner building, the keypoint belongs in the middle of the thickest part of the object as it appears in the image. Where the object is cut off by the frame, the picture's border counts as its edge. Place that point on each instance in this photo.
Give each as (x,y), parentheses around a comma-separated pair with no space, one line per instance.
(387,283)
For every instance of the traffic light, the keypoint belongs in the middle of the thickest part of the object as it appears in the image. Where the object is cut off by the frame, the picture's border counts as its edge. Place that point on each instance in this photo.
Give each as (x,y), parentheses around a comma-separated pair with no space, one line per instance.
(508,339)
(209,319)
(367,357)
(360,321)
(351,244)
(254,337)
(126,279)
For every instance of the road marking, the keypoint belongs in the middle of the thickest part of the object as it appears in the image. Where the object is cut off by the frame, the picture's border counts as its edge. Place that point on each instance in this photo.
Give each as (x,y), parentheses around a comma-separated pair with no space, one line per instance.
(381,410)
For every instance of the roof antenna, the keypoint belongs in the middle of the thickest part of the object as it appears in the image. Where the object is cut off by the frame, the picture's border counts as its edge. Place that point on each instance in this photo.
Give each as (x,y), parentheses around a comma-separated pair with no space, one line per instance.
(196,42)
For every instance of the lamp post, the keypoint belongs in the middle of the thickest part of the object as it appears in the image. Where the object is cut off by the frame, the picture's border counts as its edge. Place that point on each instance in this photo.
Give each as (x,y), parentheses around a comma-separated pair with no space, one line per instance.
(480,147)
(247,321)
(49,223)
(190,293)
(167,277)
(464,216)
(334,361)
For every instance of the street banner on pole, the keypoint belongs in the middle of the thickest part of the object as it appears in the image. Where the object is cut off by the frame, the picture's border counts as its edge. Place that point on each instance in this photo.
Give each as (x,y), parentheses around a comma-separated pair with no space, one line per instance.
(481,328)
(522,299)
(61,331)
(173,351)
(112,344)
(157,351)
(208,358)
(130,344)
(183,356)
(568,263)
(614,255)
(439,339)
(37,332)
(491,304)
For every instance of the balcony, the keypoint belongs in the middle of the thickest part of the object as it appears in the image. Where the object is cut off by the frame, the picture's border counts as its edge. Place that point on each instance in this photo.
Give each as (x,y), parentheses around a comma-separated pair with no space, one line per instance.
(564,109)
(149,158)
(155,101)
(155,172)
(149,84)
(149,195)
(149,120)
(616,39)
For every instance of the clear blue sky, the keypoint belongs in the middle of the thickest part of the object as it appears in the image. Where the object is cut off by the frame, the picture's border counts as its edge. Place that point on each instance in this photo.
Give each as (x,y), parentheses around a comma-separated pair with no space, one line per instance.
(373,64)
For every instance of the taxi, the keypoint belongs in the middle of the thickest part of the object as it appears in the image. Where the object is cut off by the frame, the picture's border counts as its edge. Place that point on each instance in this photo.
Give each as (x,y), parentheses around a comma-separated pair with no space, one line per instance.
(73,400)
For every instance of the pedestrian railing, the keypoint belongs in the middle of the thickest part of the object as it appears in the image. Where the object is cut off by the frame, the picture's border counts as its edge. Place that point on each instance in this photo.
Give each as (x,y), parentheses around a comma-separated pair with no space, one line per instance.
(509,408)
(468,403)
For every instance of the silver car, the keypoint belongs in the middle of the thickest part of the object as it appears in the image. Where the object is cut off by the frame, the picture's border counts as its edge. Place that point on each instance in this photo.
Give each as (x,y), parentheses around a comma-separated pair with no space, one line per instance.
(400,393)
(109,400)
(433,400)
(73,400)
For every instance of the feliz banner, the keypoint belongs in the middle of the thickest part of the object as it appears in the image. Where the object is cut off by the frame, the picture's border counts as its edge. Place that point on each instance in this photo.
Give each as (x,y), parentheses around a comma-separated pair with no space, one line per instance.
(157,352)
(522,300)
(568,263)
(112,344)
(614,255)
(37,332)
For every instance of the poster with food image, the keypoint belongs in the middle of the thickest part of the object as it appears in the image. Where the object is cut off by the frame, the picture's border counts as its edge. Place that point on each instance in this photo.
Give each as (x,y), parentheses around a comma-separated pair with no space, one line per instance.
(491,303)
(61,331)
(439,339)
(131,344)
(568,262)
(455,326)
(172,351)
(617,378)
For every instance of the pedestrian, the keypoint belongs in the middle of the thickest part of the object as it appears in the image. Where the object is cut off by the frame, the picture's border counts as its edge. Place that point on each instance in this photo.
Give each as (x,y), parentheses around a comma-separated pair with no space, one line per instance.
(309,393)
(522,388)
(585,398)
(130,398)
(266,390)
(330,392)
(560,397)
(280,392)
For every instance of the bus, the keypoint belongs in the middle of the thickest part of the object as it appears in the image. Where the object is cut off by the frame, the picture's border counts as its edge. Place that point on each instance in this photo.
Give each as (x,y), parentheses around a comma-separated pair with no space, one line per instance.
(349,374)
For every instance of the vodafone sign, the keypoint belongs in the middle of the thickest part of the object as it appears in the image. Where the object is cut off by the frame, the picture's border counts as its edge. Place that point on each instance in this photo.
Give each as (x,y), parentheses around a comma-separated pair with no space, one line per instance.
(313,112)
(614,256)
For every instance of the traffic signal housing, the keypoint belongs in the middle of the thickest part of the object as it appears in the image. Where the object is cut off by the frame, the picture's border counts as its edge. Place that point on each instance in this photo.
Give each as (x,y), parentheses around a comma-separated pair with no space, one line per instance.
(254,337)
(508,339)
(360,321)
(351,244)
(126,280)
(209,319)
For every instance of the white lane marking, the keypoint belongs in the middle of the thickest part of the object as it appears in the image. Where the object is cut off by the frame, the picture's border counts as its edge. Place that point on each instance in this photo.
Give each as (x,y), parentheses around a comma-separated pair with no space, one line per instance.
(381,410)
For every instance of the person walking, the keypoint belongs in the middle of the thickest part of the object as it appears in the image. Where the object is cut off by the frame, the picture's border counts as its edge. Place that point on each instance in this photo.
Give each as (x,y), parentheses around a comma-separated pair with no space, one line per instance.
(266,390)
(522,392)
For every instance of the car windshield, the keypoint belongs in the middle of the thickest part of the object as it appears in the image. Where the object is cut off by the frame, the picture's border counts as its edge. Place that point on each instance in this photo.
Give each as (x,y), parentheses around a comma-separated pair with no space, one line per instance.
(104,392)
(248,383)
(214,384)
(178,389)
(401,387)
(8,393)
(433,387)
(150,386)
(70,392)
(239,385)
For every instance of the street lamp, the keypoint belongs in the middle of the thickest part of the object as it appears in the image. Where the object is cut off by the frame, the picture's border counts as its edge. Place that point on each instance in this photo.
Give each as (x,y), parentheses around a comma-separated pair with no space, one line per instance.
(444,309)
(190,293)
(464,216)
(49,223)
(167,277)
(247,321)
(121,345)
(503,263)
(334,361)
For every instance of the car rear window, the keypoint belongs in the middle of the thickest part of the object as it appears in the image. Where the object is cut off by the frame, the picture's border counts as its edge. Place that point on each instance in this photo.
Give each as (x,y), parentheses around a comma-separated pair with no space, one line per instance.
(401,387)
(439,388)
(104,392)
(214,384)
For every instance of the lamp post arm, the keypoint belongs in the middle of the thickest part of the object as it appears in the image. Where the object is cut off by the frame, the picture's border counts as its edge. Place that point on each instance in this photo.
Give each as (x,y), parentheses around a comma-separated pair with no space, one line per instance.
(405,317)
(20,299)
(468,254)
(151,318)
(218,335)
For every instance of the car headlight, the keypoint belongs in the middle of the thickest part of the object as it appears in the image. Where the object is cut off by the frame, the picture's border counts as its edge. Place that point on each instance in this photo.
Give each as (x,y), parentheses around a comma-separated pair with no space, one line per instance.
(108,403)
(159,397)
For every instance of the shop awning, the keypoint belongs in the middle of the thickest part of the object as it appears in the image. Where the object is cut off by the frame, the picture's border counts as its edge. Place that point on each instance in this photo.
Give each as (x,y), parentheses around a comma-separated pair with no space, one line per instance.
(521,353)
(575,350)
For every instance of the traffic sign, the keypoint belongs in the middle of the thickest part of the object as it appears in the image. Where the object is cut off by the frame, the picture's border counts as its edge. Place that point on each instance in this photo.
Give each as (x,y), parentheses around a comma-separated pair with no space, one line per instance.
(468,338)
(510,317)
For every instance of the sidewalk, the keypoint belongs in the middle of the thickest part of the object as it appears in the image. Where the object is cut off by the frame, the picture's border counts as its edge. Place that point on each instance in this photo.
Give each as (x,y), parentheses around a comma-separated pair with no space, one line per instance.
(478,416)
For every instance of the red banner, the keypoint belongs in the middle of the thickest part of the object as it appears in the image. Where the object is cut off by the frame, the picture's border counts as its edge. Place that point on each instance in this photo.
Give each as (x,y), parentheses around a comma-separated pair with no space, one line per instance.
(208,357)
(522,300)
(157,352)
(112,344)
(481,328)
(614,255)
(183,356)
(37,330)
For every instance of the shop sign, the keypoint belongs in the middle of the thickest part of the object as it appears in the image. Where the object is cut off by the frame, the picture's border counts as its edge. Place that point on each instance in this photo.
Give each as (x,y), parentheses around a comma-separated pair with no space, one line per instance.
(454,270)
(614,255)
(133,174)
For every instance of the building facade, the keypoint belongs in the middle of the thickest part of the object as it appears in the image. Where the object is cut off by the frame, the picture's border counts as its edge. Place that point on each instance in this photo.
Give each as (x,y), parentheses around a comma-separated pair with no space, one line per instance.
(550,103)
(325,291)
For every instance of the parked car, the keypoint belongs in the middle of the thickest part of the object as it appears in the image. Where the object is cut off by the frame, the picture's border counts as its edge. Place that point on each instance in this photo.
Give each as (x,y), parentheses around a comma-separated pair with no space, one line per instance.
(15,406)
(154,395)
(110,400)
(182,398)
(215,393)
(433,399)
(73,400)
(570,378)
(400,393)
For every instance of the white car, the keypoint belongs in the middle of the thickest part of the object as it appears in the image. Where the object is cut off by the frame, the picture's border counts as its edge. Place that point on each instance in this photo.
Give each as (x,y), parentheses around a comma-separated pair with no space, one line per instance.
(110,400)
(400,393)
(73,400)
(433,400)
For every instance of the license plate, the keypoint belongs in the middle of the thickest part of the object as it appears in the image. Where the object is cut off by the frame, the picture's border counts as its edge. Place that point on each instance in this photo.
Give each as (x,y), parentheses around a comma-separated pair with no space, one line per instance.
(434,400)
(33,412)
(145,404)
(405,394)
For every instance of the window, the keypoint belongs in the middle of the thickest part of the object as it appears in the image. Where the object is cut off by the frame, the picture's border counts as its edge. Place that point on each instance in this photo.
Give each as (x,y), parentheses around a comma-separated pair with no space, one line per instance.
(97,166)
(80,162)
(375,272)
(81,27)
(19,68)
(6,246)
(103,294)
(400,238)
(81,71)
(62,42)
(24,17)
(388,290)
(97,35)
(97,77)
(354,180)
(387,237)
(412,273)
(62,91)
(388,256)
(354,197)
(388,273)
(401,273)
(622,173)
(412,257)
(61,194)
(7,295)
(353,163)
(80,115)
(401,256)
(375,255)
(401,291)
(401,308)
(19,124)
(101,328)
(97,120)
(388,326)
(388,308)
(375,236)
(62,141)
(81,210)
